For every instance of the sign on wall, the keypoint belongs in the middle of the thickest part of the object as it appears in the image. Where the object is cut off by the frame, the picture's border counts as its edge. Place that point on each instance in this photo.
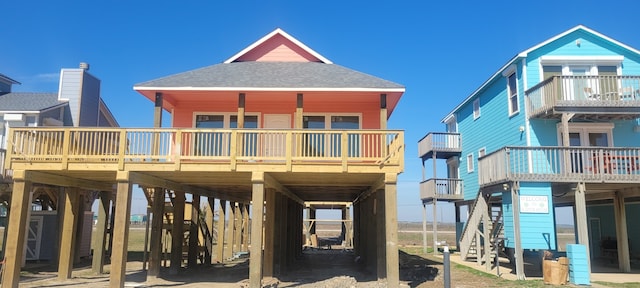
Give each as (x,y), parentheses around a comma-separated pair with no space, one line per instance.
(534,204)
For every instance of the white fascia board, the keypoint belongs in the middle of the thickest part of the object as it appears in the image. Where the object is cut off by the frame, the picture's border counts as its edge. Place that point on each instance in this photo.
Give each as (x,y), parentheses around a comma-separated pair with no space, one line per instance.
(569,59)
(286,89)
(268,36)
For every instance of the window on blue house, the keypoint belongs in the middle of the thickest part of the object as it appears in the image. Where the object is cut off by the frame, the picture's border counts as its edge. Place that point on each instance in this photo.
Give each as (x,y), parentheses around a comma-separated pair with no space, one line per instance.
(476,108)
(513,94)
(470,163)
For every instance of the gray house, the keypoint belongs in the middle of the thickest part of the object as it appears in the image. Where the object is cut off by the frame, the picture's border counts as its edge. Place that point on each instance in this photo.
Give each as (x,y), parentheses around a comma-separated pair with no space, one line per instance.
(77,103)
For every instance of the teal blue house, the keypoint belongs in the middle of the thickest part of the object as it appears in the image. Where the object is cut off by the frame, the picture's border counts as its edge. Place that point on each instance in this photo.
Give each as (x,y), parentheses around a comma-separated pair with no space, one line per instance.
(555,126)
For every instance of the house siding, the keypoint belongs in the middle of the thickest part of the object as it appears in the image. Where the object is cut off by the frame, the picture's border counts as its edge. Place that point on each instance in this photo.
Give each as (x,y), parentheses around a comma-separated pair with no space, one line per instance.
(606,215)
(70,89)
(494,120)
(536,229)
(89,107)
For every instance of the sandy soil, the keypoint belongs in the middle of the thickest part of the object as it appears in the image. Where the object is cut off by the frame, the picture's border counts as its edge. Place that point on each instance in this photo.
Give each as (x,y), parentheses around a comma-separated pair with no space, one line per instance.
(316,268)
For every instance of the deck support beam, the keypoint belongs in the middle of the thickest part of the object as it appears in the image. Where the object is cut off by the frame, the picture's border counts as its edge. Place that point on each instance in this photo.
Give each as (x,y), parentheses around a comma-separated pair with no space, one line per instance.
(177,233)
(155,245)
(581,220)
(221,231)
(620,212)
(269,230)
(257,211)
(208,257)
(245,228)
(121,230)
(391,229)
(99,249)
(515,202)
(237,228)
(70,215)
(20,200)
(194,228)
(231,230)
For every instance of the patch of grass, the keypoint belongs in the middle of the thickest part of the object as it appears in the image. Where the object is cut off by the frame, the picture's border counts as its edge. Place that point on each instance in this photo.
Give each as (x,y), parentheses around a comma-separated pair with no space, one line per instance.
(619,285)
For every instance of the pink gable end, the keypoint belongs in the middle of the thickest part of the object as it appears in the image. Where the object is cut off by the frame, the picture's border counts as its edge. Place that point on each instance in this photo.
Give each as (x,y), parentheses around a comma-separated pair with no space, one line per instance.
(278,49)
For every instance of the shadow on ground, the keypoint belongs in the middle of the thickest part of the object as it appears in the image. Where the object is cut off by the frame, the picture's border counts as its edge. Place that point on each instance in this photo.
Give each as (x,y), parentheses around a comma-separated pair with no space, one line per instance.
(315,268)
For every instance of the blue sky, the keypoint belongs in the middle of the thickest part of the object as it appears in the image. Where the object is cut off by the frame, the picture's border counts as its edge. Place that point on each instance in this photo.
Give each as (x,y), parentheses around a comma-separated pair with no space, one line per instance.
(439,50)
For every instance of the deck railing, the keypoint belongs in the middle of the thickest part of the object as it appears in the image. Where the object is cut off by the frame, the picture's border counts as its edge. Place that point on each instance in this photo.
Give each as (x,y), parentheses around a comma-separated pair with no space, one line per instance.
(560,164)
(439,142)
(115,145)
(447,188)
(585,91)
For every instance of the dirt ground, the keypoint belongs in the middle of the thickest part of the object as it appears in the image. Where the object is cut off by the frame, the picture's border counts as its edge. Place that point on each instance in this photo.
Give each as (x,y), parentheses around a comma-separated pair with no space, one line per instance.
(316,268)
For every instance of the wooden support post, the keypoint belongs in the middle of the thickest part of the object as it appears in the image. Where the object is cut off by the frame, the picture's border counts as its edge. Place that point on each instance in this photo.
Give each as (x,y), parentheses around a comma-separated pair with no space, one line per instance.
(424,228)
(356,228)
(391,227)
(519,254)
(97,265)
(237,228)
(279,228)
(581,219)
(231,224)
(435,226)
(221,231)
(383,111)
(15,240)
(257,212)
(349,227)
(380,234)
(177,233)
(209,221)
(70,217)
(620,212)
(486,235)
(269,237)
(245,228)
(299,111)
(121,231)
(194,227)
(157,111)
(241,102)
(157,219)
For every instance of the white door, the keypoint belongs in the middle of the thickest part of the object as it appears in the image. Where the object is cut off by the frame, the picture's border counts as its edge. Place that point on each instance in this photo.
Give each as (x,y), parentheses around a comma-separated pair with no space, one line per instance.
(583,88)
(274,144)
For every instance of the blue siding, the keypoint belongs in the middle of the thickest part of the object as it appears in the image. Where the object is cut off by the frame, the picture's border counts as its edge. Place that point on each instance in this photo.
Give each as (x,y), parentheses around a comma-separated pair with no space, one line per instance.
(608,223)
(481,132)
(507,215)
(537,230)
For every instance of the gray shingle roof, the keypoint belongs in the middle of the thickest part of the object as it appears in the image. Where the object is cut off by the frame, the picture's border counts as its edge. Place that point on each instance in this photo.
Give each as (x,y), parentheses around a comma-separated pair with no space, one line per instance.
(28,101)
(8,79)
(272,75)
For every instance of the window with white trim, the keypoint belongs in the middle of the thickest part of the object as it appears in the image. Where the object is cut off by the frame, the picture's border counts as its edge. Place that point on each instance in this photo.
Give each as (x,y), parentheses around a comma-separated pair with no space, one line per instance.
(470,163)
(512,91)
(476,108)
(330,144)
(482,152)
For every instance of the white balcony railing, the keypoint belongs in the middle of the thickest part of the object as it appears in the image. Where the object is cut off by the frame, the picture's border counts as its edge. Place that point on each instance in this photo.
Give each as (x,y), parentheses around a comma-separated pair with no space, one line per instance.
(439,142)
(583,91)
(560,164)
(441,188)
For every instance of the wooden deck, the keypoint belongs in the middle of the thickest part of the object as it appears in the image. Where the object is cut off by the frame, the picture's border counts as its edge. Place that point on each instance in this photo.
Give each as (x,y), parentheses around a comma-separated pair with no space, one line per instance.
(316,165)
(560,165)
(589,97)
